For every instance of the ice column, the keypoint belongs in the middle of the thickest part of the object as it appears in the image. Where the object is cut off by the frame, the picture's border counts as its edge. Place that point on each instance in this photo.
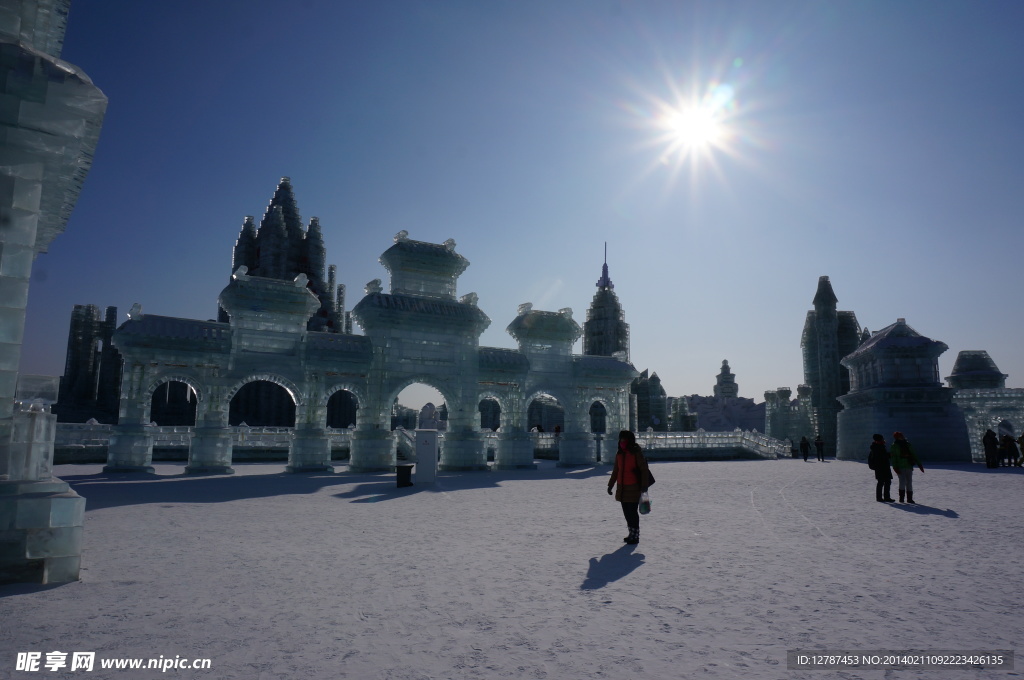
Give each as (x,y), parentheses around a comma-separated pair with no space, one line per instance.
(51,115)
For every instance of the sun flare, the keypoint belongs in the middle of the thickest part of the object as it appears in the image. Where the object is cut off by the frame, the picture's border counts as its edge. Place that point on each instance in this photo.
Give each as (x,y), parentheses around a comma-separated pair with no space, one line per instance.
(694,127)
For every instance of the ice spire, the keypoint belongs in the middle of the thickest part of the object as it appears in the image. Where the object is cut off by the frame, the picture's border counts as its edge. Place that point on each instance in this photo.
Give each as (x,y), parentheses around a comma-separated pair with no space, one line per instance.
(825,296)
(273,244)
(315,251)
(604,282)
(245,246)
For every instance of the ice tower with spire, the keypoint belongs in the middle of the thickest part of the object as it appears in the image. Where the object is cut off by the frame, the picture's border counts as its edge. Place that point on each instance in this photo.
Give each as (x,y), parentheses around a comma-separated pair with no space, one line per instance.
(605,332)
(829,335)
(282,249)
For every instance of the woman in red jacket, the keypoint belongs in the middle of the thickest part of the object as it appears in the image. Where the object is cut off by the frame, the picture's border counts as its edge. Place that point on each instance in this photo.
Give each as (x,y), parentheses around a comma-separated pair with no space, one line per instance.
(630,477)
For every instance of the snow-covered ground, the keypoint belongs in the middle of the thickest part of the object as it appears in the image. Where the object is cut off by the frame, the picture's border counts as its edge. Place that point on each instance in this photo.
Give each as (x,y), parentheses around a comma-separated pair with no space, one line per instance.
(524,574)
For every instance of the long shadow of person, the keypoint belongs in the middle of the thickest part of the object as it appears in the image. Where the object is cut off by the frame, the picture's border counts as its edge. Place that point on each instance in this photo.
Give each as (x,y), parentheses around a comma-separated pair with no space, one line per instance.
(611,567)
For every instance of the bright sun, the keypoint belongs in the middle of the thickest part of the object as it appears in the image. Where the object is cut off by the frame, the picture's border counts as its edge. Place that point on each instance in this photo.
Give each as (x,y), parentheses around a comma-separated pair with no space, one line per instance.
(694,128)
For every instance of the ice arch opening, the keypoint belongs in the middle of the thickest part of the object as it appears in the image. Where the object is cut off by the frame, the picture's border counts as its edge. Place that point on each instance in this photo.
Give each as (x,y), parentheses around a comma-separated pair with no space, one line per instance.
(261,403)
(490,414)
(545,414)
(342,409)
(173,404)
(598,418)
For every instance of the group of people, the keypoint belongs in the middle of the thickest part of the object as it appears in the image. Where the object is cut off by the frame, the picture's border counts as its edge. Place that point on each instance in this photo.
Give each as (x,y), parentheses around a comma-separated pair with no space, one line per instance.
(1002,451)
(901,459)
(819,447)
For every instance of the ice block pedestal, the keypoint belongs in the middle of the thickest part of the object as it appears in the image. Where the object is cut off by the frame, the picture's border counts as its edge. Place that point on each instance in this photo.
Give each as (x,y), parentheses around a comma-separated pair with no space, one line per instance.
(372,451)
(515,451)
(310,451)
(41,518)
(575,448)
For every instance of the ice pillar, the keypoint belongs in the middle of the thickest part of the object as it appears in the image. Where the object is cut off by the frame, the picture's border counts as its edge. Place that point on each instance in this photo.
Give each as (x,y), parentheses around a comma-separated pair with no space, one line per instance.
(51,115)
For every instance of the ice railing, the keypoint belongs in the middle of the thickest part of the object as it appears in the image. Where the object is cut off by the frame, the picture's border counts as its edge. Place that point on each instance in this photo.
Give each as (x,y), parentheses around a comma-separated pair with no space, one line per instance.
(98,434)
(749,440)
(83,434)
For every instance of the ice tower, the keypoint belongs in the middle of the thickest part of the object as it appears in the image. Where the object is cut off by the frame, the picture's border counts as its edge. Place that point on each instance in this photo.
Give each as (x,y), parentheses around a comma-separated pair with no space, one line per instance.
(725,383)
(51,118)
(895,386)
(605,331)
(828,336)
(282,249)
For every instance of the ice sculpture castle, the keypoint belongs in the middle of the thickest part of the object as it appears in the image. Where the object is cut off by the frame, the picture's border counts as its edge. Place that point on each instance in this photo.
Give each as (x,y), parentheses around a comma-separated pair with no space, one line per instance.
(279,328)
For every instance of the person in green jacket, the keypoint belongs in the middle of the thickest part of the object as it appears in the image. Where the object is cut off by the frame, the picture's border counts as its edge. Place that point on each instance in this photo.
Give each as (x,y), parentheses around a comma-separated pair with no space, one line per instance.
(903,462)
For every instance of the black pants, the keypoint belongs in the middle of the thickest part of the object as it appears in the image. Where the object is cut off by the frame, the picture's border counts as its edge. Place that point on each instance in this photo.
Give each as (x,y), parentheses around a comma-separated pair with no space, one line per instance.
(882,489)
(632,514)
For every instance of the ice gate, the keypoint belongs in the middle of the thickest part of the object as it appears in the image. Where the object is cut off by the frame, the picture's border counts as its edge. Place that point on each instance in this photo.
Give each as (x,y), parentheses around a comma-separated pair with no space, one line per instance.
(418,332)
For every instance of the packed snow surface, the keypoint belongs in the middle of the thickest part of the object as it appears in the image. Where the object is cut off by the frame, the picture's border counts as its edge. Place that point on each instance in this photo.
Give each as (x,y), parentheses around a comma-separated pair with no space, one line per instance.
(524,574)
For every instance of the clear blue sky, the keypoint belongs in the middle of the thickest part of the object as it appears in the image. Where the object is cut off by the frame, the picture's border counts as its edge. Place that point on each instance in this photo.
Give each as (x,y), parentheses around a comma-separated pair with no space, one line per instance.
(879,143)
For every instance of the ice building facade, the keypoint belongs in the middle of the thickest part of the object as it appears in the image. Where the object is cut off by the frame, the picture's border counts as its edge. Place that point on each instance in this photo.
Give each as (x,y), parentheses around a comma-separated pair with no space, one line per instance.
(417,331)
(92,370)
(984,399)
(828,336)
(787,418)
(895,386)
(51,119)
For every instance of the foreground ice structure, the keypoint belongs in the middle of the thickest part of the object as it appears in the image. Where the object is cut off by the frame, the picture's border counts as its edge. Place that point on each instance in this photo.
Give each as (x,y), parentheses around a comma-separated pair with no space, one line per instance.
(417,332)
(51,116)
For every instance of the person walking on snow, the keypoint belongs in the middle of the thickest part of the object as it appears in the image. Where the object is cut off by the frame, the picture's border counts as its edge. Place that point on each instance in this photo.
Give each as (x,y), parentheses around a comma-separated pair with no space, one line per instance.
(630,477)
(903,462)
(805,447)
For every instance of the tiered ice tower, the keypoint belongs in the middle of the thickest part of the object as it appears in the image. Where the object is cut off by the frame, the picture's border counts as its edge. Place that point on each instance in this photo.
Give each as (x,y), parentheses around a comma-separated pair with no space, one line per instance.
(51,118)
(421,334)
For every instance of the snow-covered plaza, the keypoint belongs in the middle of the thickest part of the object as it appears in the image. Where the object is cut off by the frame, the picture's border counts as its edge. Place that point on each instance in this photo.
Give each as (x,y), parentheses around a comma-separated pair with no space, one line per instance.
(523,574)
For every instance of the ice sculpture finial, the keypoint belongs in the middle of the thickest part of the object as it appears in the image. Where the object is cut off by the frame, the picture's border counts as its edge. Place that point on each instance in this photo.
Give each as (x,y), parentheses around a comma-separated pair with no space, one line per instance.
(401,236)
(566,312)
(301,281)
(604,282)
(450,245)
(135,313)
(470,299)
(525,308)
(373,287)
(241,273)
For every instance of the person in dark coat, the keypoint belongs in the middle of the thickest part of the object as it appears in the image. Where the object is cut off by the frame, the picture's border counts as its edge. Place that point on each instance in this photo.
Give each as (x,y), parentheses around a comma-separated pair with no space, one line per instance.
(879,461)
(1008,450)
(903,460)
(819,446)
(991,443)
(805,447)
(630,477)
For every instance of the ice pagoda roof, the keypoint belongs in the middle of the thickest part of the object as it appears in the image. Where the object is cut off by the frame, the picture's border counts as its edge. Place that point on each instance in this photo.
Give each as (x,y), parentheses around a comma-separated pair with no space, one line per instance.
(495,358)
(537,325)
(976,369)
(152,330)
(449,311)
(901,339)
(433,258)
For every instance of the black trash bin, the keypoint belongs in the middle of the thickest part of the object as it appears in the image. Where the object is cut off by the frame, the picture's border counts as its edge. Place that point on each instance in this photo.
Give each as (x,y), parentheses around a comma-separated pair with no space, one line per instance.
(403,475)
